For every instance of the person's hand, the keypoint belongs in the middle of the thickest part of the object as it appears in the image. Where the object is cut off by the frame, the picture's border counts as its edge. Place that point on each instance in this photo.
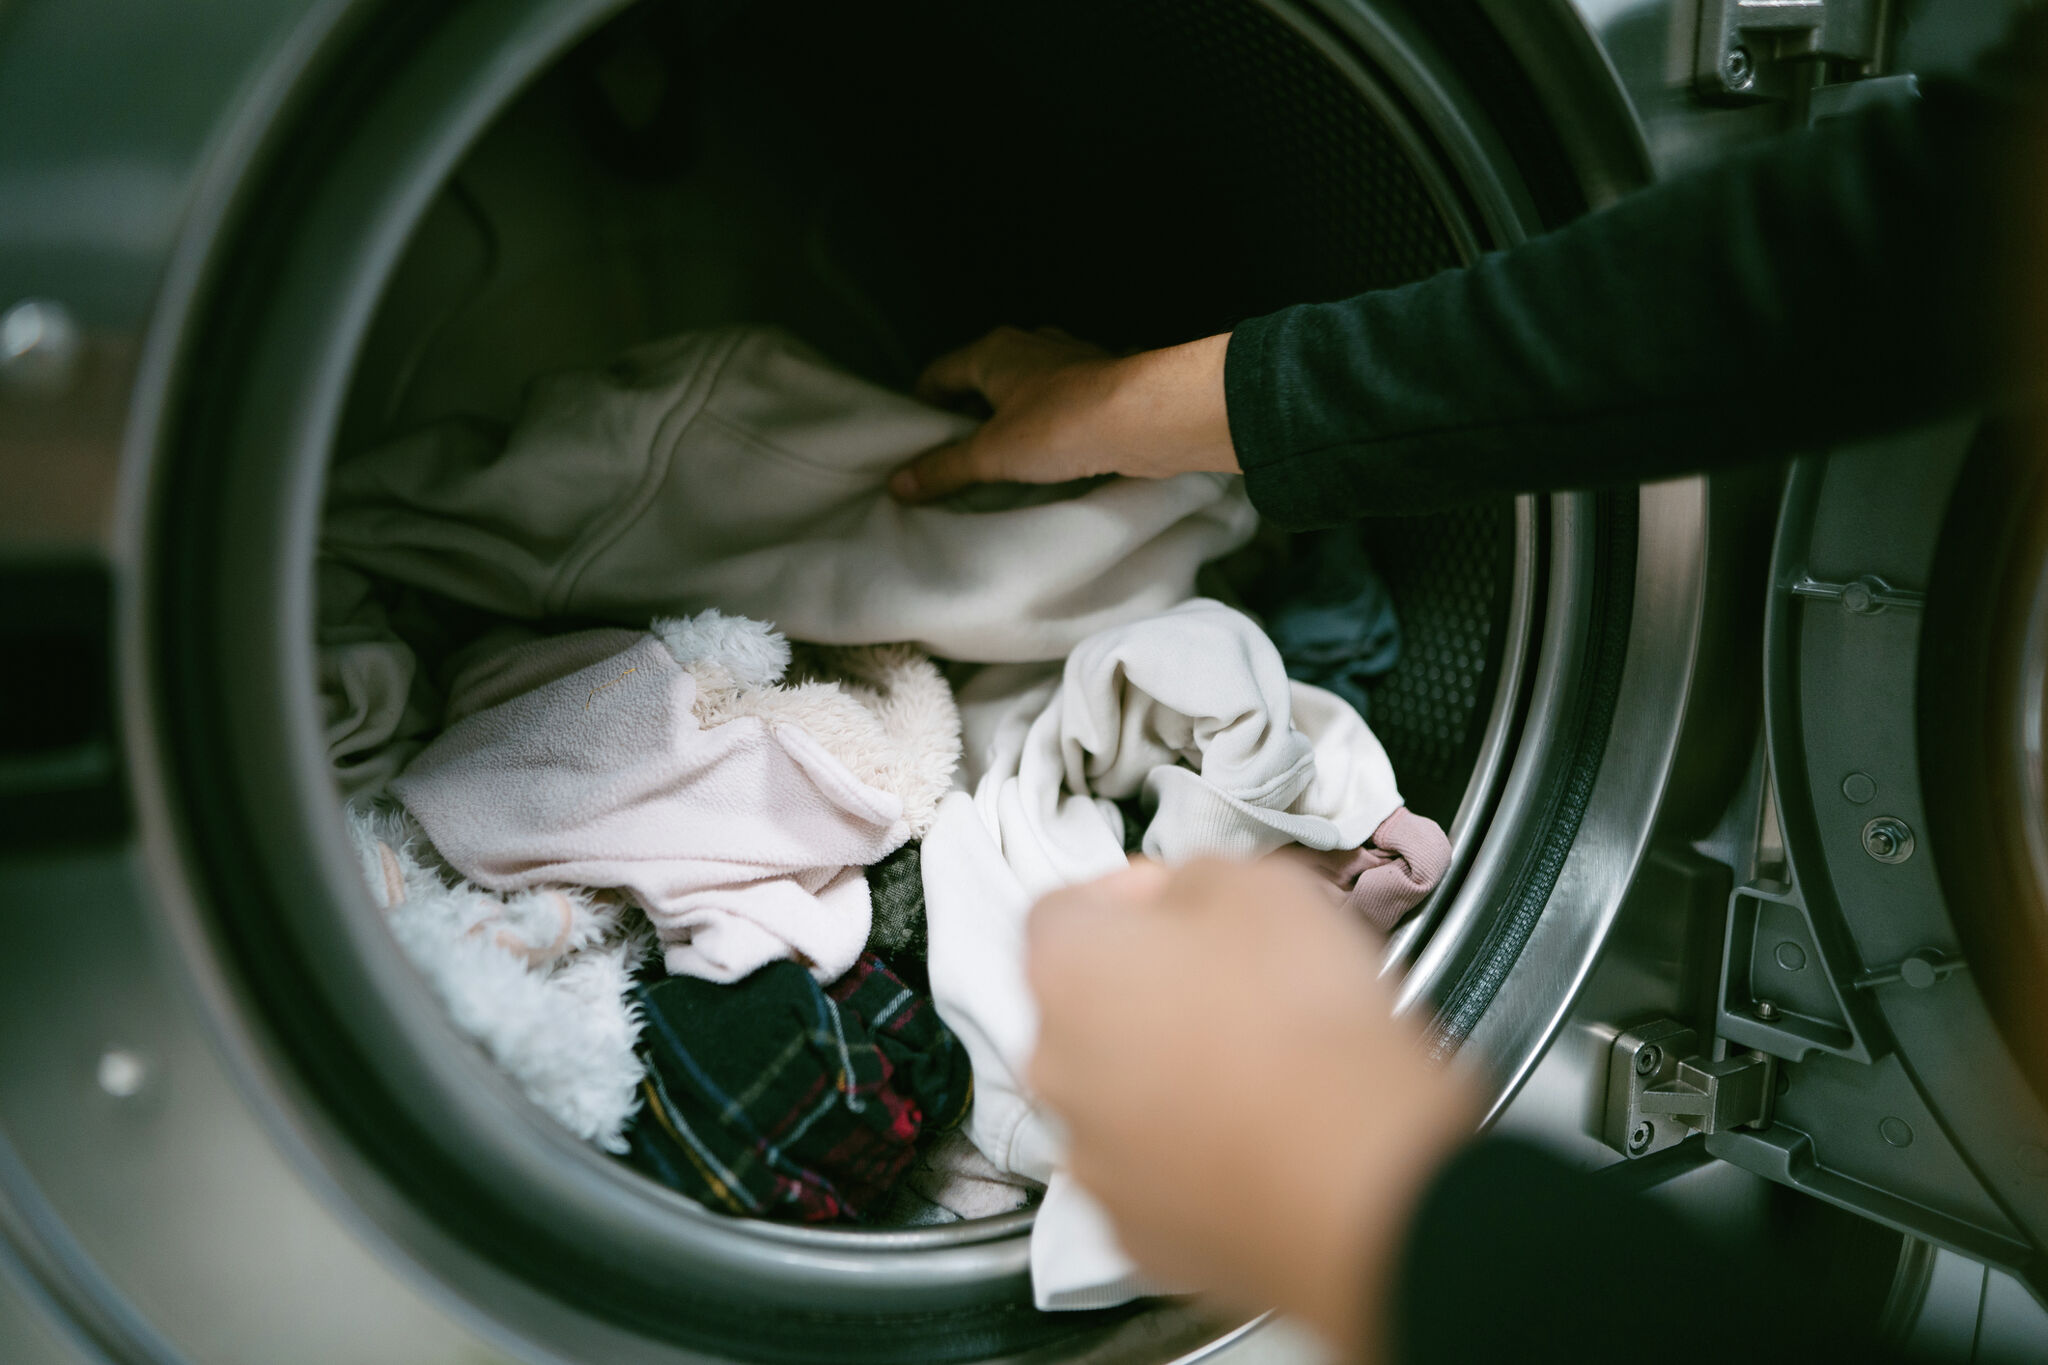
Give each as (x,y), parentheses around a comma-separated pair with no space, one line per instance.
(1063,409)
(1236,1092)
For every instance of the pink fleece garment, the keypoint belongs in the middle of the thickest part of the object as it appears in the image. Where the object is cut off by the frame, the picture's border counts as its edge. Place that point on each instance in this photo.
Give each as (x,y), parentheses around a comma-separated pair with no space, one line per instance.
(743,842)
(1392,874)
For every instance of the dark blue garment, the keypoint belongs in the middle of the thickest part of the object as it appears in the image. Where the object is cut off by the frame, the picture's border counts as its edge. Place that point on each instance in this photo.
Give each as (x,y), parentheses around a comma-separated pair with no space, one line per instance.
(1335,622)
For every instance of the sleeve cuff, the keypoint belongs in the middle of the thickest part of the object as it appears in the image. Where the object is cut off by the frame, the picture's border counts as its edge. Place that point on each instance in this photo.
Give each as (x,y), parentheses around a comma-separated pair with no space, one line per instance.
(1255,403)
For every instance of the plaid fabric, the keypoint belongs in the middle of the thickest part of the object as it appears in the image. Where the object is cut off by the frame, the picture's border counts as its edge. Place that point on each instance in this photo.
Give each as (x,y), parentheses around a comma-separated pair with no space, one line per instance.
(775,1097)
(896,891)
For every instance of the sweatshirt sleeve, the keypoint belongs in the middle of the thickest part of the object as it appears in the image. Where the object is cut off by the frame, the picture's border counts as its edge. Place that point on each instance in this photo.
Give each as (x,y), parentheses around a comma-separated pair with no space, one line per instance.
(1852,278)
(1515,1256)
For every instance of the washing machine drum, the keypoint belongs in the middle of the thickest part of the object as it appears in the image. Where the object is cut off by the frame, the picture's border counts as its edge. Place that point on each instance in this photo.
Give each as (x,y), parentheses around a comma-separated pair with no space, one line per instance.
(451,199)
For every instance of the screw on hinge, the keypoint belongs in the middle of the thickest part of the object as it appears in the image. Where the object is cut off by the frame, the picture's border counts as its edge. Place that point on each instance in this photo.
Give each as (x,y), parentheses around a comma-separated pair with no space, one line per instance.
(1737,69)
(1639,1137)
(1888,839)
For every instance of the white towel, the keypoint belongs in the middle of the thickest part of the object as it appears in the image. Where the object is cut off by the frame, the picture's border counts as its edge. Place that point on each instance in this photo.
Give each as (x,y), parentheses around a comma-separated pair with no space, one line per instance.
(738,469)
(1192,712)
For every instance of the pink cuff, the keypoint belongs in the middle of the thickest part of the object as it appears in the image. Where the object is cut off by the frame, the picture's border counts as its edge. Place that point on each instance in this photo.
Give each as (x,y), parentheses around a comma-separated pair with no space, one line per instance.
(1396,869)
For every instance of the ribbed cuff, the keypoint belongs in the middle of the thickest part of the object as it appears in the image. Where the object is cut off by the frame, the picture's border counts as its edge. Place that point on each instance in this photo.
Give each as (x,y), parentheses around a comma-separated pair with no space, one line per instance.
(1256,406)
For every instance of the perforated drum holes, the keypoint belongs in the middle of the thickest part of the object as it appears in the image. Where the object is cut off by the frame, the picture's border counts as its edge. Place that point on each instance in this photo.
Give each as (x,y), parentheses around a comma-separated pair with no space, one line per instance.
(1446,575)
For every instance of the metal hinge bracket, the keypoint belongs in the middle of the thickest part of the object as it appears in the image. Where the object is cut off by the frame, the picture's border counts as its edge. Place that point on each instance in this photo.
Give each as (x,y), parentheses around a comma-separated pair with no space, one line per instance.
(1920,970)
(1754,49)
(1866,595)
(1661,1089)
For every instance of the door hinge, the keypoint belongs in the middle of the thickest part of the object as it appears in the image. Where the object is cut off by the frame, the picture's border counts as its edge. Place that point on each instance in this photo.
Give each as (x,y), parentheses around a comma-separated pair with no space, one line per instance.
(1865,595)
(1764,49)
(1920,970)
(1661,1089)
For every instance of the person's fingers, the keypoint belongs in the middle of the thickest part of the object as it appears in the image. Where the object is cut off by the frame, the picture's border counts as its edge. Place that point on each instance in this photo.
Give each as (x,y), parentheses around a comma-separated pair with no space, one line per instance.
(1078,943)
(1215,886)
(954,375)
(1065,937)
(944,470)
(1036,385)
(986,366)
(1075,913)
(1060,928)
(1142,880)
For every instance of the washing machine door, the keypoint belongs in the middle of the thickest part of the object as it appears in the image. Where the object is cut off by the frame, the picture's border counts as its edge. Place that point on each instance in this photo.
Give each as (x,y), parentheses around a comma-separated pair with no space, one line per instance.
(233,1125)
(1885,937)
(1851,957)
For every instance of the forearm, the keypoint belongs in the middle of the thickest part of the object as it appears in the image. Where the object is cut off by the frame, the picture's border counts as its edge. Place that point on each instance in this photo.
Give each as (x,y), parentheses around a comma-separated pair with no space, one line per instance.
(1852,279)
(1167,411)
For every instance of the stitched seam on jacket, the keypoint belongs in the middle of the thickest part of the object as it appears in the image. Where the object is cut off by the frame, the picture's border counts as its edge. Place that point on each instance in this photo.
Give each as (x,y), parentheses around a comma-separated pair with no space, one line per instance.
(754,441)
(668,434)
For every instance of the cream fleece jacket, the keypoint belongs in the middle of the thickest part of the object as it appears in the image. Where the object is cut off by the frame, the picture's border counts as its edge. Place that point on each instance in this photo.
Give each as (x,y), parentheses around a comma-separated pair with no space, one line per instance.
(374,710)
(738,469)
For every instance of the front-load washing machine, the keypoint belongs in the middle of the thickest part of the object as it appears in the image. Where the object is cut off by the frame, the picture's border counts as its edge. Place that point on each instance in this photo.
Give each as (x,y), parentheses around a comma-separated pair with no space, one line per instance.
(1742,774)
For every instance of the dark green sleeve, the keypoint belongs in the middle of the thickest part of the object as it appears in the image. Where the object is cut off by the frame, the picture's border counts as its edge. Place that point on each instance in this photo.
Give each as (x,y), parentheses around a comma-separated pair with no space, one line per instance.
(1514,1256)
(1857,277)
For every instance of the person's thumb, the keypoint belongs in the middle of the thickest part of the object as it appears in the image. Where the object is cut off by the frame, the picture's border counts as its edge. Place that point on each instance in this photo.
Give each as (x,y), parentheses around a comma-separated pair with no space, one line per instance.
(944,470)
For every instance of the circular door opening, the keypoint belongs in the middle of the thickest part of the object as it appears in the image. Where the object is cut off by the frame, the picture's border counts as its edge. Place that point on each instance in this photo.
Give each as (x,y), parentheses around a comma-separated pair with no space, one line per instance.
(478,195)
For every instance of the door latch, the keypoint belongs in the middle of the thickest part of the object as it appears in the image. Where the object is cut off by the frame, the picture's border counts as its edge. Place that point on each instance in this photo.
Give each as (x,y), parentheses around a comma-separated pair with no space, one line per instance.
(1753,49)
(1661,1089)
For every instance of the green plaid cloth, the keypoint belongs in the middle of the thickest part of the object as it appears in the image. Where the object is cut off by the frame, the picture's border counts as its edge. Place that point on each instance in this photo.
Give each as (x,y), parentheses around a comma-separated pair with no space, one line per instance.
(775,1097)
(896,891)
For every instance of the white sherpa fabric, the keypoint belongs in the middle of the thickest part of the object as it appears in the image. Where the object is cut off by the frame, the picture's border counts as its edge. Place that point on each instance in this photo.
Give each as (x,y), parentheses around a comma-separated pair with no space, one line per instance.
(539,978)
(882,710)
(1190,711)
(749,653)
(910,742)
(738,469)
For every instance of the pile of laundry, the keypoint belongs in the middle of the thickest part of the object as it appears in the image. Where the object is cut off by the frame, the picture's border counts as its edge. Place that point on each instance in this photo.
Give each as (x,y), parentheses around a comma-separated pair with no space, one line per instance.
(733,883)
